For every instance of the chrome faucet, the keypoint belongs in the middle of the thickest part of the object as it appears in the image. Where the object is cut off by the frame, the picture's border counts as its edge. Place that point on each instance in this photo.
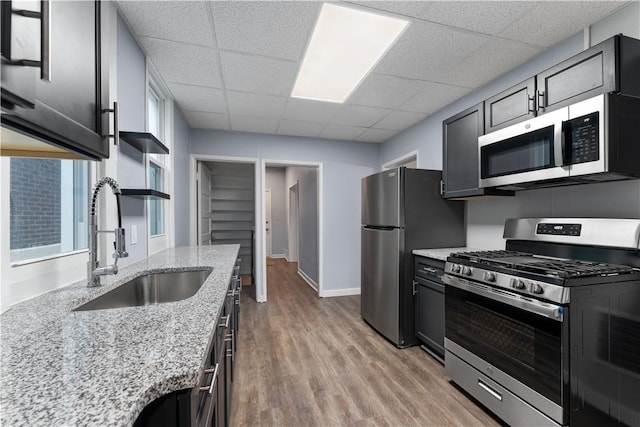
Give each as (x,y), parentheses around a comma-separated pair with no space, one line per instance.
(94,271)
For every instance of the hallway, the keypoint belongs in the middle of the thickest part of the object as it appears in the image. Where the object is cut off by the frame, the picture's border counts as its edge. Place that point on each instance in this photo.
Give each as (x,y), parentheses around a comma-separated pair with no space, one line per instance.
(306,361)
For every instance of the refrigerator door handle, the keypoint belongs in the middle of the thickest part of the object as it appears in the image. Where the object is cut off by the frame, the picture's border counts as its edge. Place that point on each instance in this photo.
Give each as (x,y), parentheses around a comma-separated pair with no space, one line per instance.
(380,227)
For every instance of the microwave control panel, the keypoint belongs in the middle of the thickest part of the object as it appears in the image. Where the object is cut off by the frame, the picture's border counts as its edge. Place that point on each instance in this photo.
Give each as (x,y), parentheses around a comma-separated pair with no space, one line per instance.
(559,229)
(583,138)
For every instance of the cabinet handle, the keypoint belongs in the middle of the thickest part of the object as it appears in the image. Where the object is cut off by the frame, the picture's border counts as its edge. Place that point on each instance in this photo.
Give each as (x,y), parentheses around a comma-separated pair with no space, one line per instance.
(441,187)
(414,283)
(429,270)
(532,104)
(213,381)
(116,130)
(540,100)
(226,321)
(45,40)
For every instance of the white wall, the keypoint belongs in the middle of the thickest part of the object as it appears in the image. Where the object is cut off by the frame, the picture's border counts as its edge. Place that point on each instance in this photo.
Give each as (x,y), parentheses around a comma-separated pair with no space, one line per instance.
(307,180)
(344,165)
(180,154)
(275,181)
(132,100)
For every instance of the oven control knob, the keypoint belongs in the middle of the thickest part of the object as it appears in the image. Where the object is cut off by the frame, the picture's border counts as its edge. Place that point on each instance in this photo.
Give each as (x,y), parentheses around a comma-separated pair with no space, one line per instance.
(455,268)
(537,289)
(489,276)
(467,271)
(517,284)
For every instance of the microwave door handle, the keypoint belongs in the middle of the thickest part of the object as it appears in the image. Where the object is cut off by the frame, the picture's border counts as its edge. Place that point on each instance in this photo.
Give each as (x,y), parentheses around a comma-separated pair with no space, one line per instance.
(566,143)
(558,145)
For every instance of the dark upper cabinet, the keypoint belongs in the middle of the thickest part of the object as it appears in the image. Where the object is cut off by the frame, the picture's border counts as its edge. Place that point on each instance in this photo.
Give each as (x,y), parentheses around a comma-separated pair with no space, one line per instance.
(610,66)
(69,89)
(510,106)
(460,155)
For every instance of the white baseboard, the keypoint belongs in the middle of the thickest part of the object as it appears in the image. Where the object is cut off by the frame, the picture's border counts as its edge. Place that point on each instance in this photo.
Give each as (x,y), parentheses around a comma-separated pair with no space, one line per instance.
(278,256)
(289,260)
(308,279)
(340,292)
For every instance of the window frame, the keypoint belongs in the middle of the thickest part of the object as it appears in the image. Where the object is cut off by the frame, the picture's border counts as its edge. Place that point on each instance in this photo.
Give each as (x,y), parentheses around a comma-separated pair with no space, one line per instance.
(155,85)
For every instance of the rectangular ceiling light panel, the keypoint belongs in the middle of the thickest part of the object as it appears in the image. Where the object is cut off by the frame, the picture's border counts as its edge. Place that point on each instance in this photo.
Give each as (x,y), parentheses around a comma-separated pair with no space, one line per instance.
(345,45)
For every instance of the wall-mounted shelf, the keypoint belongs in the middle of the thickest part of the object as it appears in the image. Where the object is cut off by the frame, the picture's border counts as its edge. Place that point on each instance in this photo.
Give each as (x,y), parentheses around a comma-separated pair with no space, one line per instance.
(144,142)
(144,193)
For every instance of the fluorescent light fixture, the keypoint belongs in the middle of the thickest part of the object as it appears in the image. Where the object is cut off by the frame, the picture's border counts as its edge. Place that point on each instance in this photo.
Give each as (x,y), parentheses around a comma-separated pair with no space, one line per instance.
(345,45)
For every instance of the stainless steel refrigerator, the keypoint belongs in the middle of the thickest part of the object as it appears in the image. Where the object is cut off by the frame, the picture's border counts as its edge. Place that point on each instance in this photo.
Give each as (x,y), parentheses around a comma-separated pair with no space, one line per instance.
(402,210)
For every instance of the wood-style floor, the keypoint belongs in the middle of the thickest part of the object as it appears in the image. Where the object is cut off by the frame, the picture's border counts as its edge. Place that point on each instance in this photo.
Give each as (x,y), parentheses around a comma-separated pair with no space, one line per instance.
(309,361)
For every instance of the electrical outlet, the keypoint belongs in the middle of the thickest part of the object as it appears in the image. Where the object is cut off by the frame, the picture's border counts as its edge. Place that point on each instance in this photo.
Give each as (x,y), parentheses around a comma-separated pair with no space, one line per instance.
(134,234)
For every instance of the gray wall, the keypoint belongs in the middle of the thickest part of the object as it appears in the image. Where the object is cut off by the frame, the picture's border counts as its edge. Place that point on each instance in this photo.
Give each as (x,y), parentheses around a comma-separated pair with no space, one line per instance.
(307,179)
(180,153)
(485,217)
(344,165)
(131,168)
(275,181)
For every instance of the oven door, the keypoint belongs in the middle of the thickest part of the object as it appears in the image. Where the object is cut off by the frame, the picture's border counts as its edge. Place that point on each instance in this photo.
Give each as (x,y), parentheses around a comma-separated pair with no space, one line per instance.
(519,342)
(525,152)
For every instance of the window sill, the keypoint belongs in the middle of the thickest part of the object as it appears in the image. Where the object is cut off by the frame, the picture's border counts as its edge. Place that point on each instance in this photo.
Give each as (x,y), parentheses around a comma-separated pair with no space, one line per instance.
(47,258)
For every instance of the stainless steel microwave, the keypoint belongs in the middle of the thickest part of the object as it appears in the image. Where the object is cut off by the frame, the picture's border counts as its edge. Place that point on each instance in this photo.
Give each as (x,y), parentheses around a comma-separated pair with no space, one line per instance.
(597,139)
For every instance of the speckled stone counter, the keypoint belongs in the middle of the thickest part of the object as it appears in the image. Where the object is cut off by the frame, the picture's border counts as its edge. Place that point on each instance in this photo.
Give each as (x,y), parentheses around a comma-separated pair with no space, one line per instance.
(441,253)
(102,367)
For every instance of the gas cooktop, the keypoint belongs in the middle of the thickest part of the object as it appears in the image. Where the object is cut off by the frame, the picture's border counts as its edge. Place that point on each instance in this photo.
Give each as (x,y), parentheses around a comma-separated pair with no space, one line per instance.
(542,265)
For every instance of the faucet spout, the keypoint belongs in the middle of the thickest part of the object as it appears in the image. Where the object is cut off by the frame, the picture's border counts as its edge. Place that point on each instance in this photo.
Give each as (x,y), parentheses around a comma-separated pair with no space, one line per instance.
(94,271)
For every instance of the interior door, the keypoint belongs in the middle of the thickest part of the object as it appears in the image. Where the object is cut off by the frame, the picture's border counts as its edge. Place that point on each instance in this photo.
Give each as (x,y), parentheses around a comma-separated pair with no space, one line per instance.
(267,225)
(204,205)
(380,276)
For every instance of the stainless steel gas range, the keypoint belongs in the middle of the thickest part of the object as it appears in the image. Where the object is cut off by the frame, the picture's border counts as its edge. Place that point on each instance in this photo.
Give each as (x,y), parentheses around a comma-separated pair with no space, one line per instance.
(547,332)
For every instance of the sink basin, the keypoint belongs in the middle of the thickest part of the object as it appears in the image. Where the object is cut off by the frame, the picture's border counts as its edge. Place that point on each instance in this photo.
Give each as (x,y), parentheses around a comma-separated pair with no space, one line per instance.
(153,288)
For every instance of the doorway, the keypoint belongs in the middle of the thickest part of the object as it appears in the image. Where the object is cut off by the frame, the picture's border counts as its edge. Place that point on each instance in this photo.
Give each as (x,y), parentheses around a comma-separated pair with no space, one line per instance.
(295,223)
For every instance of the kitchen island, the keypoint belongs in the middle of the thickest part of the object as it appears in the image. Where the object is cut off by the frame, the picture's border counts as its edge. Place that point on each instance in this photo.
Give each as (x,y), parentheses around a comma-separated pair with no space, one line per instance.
(102,367)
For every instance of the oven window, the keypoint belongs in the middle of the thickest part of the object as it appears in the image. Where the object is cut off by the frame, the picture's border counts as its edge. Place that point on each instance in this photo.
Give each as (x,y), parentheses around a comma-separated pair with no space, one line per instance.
(524,345)
(523,153)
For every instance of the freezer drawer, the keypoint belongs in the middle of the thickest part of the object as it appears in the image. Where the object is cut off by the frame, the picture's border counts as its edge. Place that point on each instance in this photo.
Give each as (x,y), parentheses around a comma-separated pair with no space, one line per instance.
(380,276)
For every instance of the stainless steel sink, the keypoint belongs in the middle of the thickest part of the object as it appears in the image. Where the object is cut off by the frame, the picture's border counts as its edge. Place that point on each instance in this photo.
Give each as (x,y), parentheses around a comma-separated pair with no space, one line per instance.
(153,288)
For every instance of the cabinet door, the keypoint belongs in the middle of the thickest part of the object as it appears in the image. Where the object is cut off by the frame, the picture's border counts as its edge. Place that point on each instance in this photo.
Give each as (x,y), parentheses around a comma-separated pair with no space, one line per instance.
(18,44)
(510,106)
(430,315)
(68,106)
(583,76)
(460,151)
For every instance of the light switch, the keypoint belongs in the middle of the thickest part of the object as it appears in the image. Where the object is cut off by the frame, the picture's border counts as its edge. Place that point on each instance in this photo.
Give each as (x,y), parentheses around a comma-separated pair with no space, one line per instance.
(134,234)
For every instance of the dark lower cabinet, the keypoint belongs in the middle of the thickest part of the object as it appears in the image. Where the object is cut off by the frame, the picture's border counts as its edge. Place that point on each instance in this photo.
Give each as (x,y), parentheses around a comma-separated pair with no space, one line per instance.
(55,77)
(209,403)
(429,305)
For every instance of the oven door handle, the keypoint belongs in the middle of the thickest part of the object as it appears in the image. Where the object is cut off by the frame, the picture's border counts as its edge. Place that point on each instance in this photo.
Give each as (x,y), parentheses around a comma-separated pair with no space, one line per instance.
(545,309)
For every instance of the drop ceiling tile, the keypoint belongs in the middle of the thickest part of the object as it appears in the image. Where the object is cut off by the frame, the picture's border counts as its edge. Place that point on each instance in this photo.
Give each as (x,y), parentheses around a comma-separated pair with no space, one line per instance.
(432,97)
(275,29)
(399,120)
(376,135)
(251,73)
(199,98)
(184,21)
(201,120)
(489,61)
(310,111)
(355,115)
(254,124)
(250,104)
(428,52)
(488,17)
(379,90)
(184,63)
(346,133)
(559,20)
(294,128)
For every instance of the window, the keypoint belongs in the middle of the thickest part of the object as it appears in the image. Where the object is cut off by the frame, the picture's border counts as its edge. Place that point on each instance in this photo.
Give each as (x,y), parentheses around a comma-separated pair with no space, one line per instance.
(48,203)
(156,166)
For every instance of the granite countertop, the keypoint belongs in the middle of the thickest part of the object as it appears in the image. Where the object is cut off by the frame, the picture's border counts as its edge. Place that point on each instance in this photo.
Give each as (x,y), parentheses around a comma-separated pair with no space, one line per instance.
(442,253)
(102,367)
